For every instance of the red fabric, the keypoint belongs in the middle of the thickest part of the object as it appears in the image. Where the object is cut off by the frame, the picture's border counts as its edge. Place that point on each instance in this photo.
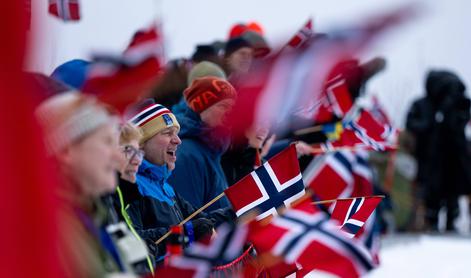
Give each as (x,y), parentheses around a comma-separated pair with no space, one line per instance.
(339,175)
(246,194)
(302,36)
(67,10)
(343,209)
(126,79)
(207,91)
(28,236)
(315,250)
(364,130)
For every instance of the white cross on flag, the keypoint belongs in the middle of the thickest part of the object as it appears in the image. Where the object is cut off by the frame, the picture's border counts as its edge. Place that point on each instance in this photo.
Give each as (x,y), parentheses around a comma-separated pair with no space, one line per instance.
(67,10)
(277,183)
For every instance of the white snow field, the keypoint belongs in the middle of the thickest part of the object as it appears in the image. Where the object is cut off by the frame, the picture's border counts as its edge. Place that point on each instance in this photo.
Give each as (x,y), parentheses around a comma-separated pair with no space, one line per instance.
(424,256)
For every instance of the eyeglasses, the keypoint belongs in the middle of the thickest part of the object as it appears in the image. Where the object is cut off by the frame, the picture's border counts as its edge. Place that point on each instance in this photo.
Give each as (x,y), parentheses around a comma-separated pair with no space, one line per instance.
(131,152)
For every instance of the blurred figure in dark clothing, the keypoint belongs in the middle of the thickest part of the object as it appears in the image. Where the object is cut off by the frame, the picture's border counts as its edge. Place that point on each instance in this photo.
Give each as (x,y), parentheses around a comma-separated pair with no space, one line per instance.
(438,121)
(168,90)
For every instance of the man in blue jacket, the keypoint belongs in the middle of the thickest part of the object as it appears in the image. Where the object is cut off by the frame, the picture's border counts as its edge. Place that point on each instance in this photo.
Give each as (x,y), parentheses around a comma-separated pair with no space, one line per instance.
(198,174)
(154,205)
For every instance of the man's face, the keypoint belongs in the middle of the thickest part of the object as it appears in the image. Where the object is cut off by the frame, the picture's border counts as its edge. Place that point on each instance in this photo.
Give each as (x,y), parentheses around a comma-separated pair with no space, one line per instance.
(216,114)
(161,149)
(241,60)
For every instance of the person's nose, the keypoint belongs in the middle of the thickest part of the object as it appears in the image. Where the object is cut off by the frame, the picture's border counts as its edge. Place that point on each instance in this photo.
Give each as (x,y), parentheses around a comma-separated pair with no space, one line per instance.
(176,140)
(135,160)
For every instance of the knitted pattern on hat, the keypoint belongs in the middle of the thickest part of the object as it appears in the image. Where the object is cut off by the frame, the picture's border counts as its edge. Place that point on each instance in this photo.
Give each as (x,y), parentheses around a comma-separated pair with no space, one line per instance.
(153,119)
(68,117)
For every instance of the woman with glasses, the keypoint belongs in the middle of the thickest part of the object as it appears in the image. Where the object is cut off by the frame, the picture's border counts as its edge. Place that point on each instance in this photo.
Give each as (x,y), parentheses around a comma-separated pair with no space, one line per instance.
(127,191)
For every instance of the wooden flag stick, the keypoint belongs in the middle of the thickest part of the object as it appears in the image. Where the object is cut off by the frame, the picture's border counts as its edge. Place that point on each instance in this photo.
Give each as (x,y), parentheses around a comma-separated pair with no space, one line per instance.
(308,130)
(343,199)
(196,212)
(347,148)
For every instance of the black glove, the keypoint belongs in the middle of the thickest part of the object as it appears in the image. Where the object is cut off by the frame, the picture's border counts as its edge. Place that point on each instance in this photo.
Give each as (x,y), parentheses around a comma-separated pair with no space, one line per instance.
(202,227)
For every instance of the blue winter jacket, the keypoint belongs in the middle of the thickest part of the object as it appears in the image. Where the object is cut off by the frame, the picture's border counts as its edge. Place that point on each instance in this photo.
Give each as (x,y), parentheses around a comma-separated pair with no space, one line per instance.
(198,175)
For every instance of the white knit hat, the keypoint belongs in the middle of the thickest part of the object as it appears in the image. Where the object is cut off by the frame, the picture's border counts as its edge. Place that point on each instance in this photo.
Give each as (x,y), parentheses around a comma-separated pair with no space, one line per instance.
(68,117)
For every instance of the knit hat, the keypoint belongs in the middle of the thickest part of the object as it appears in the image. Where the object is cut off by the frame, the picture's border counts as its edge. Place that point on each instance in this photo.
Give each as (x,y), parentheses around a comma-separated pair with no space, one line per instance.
(69,116)
(204,52)
(235,44)
(258,43)
(152,119)
(206,91)
(205,68)
(72,73)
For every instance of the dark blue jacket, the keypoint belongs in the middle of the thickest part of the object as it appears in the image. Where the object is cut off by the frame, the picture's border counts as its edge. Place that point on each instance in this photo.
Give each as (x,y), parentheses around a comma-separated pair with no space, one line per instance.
(198,175)
(153,206)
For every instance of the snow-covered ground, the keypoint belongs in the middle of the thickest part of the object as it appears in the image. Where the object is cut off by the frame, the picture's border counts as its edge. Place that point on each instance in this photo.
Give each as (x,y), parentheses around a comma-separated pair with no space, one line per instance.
(424,256)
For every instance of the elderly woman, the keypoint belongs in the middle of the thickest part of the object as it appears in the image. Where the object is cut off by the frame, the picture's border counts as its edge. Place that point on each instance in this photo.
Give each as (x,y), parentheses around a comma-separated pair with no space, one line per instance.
(82,137)
(127,191)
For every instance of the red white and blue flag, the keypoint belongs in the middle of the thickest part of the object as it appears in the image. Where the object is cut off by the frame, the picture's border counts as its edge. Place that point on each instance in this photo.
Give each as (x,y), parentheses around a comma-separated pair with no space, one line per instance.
(362,130)
(67,10)
(302,36)
(352,214)
(378,112)
(337,175)
(305,235)
(277,183)
(123,79)
(199,259)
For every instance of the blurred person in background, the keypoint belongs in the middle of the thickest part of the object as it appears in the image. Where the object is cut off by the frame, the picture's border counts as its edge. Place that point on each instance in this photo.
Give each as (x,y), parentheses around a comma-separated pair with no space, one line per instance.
(82,136)
(437,122)
(205,137)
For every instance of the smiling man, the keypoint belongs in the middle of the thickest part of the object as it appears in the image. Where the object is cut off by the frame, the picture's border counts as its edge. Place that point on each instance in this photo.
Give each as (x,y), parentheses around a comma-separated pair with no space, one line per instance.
(157,206)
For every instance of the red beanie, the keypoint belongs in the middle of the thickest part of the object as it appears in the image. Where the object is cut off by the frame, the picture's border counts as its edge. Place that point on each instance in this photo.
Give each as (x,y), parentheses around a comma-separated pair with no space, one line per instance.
(206,91)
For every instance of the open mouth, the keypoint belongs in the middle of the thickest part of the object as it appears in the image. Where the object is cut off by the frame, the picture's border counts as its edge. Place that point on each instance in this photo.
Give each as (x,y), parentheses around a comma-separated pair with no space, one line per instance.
(172,153)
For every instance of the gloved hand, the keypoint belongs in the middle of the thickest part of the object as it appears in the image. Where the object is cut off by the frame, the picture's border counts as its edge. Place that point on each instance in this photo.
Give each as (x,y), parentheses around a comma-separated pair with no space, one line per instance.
(202,227)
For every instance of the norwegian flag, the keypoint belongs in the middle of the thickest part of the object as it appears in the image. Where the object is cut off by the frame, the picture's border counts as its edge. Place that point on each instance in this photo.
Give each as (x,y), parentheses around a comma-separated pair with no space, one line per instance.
(67,10)
(305,235)
(361,129)
(277,183)
(302,36)
(378,112)
(121,80)
(337,99)
(338,175)
(353,213)
(279,86)
(198,260)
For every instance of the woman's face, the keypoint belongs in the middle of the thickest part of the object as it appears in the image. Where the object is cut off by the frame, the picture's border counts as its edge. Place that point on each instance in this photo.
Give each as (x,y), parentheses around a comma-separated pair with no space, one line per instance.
(94,160)
(257,136)
(132,159)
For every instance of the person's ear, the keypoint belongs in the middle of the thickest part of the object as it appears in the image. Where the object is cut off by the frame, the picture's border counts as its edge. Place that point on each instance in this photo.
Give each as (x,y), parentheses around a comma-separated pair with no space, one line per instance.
(65,156)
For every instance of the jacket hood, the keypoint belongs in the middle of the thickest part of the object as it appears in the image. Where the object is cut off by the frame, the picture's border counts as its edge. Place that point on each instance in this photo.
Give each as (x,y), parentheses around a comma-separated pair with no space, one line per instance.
(191,126)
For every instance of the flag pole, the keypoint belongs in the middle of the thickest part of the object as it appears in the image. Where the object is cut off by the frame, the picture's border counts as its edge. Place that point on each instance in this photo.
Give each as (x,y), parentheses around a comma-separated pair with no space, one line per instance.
(347,148)
(344,199)
(196,212)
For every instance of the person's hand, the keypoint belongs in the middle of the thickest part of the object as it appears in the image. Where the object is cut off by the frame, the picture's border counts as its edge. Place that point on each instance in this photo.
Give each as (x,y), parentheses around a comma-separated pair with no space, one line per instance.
(202,227)
(266,147)
(302,148)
